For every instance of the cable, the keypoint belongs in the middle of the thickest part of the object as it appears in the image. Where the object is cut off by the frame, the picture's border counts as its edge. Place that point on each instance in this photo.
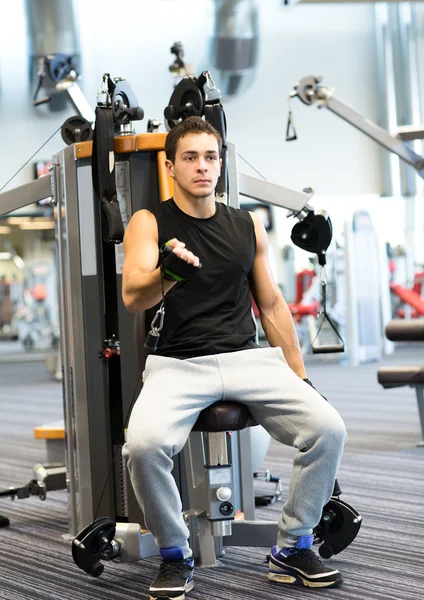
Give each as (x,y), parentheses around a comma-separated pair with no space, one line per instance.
(121,439)
(30,158)
(252,167)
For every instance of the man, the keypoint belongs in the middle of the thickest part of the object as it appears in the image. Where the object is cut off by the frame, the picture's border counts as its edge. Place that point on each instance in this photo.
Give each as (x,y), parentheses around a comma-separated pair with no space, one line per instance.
(207,352)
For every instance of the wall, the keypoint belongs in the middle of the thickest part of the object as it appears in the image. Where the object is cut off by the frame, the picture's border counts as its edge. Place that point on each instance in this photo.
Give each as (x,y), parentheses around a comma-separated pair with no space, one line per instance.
(330,155)
(133,41)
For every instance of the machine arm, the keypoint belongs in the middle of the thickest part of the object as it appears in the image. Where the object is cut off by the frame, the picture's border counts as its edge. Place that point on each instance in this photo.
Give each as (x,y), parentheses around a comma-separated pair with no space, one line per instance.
(310,91)
(59,73)
(272,193)
(313,232)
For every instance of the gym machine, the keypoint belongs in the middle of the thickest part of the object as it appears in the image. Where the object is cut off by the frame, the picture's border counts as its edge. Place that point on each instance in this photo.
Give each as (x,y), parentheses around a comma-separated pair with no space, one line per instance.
(406,375)
(310,91)
(58,73)
(101,371)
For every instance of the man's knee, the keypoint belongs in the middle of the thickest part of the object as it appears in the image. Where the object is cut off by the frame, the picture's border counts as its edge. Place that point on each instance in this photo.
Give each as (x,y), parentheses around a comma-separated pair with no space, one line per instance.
(331,430)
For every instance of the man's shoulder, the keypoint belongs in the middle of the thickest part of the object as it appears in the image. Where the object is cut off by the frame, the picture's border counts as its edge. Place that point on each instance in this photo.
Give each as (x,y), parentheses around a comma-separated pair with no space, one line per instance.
(237,213)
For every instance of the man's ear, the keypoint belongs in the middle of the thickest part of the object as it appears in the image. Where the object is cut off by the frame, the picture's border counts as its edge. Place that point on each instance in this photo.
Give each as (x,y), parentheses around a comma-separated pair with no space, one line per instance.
(169,168)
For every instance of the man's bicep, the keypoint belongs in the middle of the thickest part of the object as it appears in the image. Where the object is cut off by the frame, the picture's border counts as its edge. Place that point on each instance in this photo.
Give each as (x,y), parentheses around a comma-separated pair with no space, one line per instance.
(140,245)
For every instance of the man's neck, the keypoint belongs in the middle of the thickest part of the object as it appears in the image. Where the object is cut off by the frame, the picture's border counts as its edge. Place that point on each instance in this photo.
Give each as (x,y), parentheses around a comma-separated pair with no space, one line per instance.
(200,208)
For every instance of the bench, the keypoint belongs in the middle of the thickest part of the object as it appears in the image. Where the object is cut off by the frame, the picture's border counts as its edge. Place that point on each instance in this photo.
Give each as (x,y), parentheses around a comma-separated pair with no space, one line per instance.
(391,377)
(54,434)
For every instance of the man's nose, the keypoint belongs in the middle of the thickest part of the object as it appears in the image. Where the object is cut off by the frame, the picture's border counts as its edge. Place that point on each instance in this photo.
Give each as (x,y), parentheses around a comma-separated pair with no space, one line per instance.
(202,165)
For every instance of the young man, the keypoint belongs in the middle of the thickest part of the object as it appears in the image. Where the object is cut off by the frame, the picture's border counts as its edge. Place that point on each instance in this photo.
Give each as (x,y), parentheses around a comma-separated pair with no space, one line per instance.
(207,352)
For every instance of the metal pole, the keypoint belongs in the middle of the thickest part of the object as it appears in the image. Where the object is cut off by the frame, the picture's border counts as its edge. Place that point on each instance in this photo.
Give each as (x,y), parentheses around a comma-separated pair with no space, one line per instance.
(233,185)
(409,93)
(391,185)
(63,278)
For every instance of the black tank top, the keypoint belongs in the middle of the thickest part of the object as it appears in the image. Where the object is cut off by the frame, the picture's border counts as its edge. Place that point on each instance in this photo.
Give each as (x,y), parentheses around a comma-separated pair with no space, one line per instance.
(210,313)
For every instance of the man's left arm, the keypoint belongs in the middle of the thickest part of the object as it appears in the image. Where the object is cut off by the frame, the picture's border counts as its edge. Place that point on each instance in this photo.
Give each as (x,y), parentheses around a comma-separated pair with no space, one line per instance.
(276,319)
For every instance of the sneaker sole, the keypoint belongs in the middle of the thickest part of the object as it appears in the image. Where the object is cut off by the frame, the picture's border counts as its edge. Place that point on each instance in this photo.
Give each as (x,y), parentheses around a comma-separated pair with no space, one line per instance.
(188,589)
(298,580)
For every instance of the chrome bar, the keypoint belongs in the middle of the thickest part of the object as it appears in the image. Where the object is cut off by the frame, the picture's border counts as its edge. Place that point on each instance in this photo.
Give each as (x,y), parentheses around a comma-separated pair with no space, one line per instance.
(25,194)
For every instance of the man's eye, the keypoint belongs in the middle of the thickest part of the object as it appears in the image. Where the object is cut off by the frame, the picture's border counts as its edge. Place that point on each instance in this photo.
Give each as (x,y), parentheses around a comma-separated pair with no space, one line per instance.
(212,157)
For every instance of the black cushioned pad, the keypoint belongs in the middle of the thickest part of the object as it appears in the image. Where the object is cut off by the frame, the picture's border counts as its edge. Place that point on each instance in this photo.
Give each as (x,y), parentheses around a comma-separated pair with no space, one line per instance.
(224,416)
(398,376)
(400,330)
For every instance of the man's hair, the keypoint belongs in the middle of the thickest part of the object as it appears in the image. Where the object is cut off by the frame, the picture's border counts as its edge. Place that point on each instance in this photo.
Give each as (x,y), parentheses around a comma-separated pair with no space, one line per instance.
(188,126)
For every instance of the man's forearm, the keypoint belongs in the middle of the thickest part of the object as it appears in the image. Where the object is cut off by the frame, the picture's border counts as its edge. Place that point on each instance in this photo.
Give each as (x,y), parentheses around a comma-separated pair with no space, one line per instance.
(144,290)
(280,331)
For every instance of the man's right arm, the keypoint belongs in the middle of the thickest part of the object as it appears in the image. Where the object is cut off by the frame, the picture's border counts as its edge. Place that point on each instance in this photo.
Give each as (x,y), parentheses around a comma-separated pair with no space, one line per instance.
(141,278)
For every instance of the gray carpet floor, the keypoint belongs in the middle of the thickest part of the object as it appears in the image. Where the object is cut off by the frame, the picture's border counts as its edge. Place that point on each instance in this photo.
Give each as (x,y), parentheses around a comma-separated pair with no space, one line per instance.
(382,476)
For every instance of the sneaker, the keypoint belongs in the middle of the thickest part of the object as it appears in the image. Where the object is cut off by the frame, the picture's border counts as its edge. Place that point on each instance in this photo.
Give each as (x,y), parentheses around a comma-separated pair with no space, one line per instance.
(175,577)
(301,566)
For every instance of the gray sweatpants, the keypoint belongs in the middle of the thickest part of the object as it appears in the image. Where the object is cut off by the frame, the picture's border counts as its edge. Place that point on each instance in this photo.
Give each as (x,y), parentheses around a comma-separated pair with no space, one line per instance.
(174,393)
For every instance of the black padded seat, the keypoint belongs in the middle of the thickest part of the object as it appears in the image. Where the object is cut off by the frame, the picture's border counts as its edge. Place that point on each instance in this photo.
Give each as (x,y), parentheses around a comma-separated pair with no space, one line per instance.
(400,330)
(390,377)
(224,416)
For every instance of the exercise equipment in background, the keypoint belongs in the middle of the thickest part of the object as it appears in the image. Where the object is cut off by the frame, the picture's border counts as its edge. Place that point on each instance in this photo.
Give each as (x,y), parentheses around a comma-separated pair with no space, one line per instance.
(392,377)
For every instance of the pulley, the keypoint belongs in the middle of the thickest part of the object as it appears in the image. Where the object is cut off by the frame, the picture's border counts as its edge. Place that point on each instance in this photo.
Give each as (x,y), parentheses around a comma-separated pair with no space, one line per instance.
(338,527)
(76,129)
(53,69)
(314,234)
(124,102)
(93,543)
(187,100)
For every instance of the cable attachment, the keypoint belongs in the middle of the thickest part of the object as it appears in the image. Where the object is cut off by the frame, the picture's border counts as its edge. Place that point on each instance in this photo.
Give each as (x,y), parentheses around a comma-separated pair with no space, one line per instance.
(103,95)
(41,73)
(328,348)
(152,338)
(212,93)
(291,134)
(179,68)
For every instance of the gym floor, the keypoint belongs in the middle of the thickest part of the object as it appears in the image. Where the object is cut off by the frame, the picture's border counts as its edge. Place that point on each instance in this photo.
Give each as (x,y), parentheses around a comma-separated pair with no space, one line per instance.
(381,475)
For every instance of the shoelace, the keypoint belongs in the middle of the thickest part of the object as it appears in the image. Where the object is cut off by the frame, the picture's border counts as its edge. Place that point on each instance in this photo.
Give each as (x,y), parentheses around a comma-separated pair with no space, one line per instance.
(307,554)
(169,568)
(310,556)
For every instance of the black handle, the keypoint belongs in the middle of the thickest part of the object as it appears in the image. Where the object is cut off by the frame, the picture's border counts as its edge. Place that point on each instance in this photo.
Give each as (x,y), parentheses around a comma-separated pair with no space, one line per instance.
(327,349)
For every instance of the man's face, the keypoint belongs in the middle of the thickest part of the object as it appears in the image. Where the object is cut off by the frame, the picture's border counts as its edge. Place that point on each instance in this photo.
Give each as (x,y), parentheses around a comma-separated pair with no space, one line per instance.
(197,164)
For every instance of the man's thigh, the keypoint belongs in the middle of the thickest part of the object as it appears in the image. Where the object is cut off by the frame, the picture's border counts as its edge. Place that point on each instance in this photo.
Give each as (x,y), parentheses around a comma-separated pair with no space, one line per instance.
(173,394)
(286,406)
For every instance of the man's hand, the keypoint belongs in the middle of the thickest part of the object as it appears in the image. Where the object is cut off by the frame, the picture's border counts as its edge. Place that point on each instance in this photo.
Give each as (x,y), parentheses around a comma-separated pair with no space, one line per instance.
(181,251)
(178,263)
